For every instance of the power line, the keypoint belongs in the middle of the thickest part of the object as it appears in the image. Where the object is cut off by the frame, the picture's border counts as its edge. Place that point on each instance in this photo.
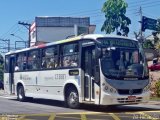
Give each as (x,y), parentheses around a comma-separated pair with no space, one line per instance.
(138,1)
(147,3)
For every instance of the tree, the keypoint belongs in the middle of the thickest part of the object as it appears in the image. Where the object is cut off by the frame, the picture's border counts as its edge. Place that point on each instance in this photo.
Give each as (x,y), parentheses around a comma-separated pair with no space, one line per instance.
(116,20)
(148,44)
(158,25)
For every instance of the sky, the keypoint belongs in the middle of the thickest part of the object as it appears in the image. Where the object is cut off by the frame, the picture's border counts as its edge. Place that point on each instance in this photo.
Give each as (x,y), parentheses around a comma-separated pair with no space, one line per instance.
(13,11)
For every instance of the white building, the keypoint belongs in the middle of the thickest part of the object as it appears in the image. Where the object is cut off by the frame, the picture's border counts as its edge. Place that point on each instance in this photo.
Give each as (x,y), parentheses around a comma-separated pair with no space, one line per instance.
(49,29)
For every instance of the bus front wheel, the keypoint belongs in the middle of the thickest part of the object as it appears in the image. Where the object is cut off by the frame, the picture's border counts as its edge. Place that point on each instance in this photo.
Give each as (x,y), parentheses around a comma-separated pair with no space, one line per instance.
(72,99)
(20,94)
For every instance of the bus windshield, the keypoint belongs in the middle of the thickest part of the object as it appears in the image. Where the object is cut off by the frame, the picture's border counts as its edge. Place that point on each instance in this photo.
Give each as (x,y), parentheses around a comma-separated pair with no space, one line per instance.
(122,61)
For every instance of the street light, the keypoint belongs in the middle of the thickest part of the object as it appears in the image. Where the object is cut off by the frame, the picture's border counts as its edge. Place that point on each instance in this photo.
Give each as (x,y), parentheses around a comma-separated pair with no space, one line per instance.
(22,40)
(17,36)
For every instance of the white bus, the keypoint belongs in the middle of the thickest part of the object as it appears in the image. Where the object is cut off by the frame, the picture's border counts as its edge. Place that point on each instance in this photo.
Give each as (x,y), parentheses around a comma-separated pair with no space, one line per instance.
(94,69)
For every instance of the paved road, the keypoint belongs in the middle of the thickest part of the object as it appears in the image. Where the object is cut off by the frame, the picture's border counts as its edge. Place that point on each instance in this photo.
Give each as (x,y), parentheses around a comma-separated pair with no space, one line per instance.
(40,109)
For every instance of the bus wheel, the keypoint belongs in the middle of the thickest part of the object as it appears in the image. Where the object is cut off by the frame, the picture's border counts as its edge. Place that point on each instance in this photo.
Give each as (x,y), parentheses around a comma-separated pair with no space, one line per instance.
(73,99)
(20,94)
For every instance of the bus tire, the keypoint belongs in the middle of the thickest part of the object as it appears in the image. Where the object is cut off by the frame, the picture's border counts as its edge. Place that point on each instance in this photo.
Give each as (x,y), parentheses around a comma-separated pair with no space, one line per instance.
(72,99)
(20,94)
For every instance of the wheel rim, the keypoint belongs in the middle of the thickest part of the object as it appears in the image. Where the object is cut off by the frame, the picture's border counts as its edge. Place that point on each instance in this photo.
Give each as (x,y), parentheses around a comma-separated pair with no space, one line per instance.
(73,99)
(20,95)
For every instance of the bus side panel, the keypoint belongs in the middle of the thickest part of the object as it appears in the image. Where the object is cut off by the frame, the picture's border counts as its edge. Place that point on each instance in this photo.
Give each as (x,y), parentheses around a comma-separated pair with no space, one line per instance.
(6,83)
(28,80)
(52,82)
(47,84)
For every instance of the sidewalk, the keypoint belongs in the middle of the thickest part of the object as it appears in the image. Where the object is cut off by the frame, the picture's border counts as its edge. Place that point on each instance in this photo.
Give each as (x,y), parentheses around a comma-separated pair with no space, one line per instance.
(3,93)
(153,103)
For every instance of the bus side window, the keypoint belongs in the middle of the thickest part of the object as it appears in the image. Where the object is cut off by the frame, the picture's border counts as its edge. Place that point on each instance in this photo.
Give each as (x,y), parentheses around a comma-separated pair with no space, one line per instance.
(69,55)
(49,57)
(21,60)
(7,64)
(33,60)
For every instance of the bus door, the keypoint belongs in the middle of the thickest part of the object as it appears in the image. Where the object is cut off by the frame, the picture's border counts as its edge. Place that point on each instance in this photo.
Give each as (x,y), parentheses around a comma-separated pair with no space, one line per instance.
(11,74)
(88,58)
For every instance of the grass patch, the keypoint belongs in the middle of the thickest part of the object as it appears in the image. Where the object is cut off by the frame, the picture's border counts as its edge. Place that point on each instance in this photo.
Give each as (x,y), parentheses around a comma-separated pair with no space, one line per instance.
(155,98)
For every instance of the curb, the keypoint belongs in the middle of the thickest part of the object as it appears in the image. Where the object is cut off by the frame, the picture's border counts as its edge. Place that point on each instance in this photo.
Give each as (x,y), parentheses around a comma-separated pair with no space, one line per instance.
(153,103)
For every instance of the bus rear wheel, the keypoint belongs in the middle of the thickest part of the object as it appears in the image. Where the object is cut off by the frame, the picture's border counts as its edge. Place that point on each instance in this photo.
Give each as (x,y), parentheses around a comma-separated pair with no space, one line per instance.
(72,99)
(20,94)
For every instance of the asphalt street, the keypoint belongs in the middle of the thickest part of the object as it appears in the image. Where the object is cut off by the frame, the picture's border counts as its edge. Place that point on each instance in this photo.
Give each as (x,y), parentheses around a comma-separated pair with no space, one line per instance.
(40,109)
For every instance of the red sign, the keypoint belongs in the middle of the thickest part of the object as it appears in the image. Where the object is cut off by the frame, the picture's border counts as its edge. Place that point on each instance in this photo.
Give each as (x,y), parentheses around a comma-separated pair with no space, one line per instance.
(132,98)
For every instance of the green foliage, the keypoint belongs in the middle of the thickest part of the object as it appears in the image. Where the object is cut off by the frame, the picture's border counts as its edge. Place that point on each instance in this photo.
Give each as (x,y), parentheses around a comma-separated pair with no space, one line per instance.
(157,88)
(148,44)
(115,11)
(158,25)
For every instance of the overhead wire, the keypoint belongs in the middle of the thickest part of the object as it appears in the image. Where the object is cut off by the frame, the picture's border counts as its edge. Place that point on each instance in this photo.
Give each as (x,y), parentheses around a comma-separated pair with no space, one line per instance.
(97,12)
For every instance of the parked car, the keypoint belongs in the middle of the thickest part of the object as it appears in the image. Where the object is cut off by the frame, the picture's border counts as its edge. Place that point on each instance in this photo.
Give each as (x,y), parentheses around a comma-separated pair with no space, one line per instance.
(1,85)
(155,66)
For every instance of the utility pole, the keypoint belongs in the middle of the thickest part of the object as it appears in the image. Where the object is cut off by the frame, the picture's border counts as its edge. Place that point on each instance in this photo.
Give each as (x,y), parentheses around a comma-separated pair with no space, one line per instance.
(27,25)
(141,32)
(8,43)
(140,12)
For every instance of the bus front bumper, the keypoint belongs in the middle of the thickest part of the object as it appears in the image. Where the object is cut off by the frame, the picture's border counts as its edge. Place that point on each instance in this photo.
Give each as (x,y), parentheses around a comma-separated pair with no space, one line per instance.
(115,99)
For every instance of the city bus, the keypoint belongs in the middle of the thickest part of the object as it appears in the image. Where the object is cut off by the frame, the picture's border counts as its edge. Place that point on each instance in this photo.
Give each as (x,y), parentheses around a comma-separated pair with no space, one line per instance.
(93,69)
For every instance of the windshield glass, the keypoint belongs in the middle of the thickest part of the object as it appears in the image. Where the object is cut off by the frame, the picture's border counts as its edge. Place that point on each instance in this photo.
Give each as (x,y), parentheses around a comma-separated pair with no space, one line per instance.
(120,61)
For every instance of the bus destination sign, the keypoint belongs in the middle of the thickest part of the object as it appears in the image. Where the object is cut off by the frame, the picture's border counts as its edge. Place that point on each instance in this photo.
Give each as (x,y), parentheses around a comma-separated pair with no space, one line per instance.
(118,43)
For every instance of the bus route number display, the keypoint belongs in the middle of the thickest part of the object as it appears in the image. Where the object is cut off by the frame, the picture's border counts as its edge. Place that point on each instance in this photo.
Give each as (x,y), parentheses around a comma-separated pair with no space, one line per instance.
(118,42)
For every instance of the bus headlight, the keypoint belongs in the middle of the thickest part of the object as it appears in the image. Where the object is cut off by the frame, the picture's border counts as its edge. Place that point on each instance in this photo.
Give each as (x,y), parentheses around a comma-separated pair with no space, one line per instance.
(111,90)
(108,88)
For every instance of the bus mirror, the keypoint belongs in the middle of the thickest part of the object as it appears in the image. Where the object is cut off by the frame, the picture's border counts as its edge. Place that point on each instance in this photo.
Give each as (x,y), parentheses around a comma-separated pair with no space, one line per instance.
(98,52)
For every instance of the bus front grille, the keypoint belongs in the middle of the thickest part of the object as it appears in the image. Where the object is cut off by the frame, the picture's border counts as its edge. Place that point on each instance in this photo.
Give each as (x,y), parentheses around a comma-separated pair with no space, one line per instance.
(129,92)
(126,100)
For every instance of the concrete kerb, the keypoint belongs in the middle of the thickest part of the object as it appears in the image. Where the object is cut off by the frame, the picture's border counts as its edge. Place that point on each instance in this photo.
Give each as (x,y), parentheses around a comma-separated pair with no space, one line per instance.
(154,102)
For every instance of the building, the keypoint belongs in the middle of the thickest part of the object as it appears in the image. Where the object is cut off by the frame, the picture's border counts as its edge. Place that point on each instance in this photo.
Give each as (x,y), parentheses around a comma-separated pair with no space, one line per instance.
(49,29)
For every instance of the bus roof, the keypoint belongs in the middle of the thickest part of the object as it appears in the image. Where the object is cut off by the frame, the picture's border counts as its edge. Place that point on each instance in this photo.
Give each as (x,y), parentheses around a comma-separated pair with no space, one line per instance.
(81,37)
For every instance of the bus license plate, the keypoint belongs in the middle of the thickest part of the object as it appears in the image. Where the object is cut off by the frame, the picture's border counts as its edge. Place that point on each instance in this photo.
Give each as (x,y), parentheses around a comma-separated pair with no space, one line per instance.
(133,98)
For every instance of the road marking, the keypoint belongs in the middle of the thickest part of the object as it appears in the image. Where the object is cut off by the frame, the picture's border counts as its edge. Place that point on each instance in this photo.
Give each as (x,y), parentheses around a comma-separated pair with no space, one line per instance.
(83,117)
(52,116)
(146,116)
(142,111)
(85,113)
(22,117)
(88,113)
(115,117)
(67,117)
